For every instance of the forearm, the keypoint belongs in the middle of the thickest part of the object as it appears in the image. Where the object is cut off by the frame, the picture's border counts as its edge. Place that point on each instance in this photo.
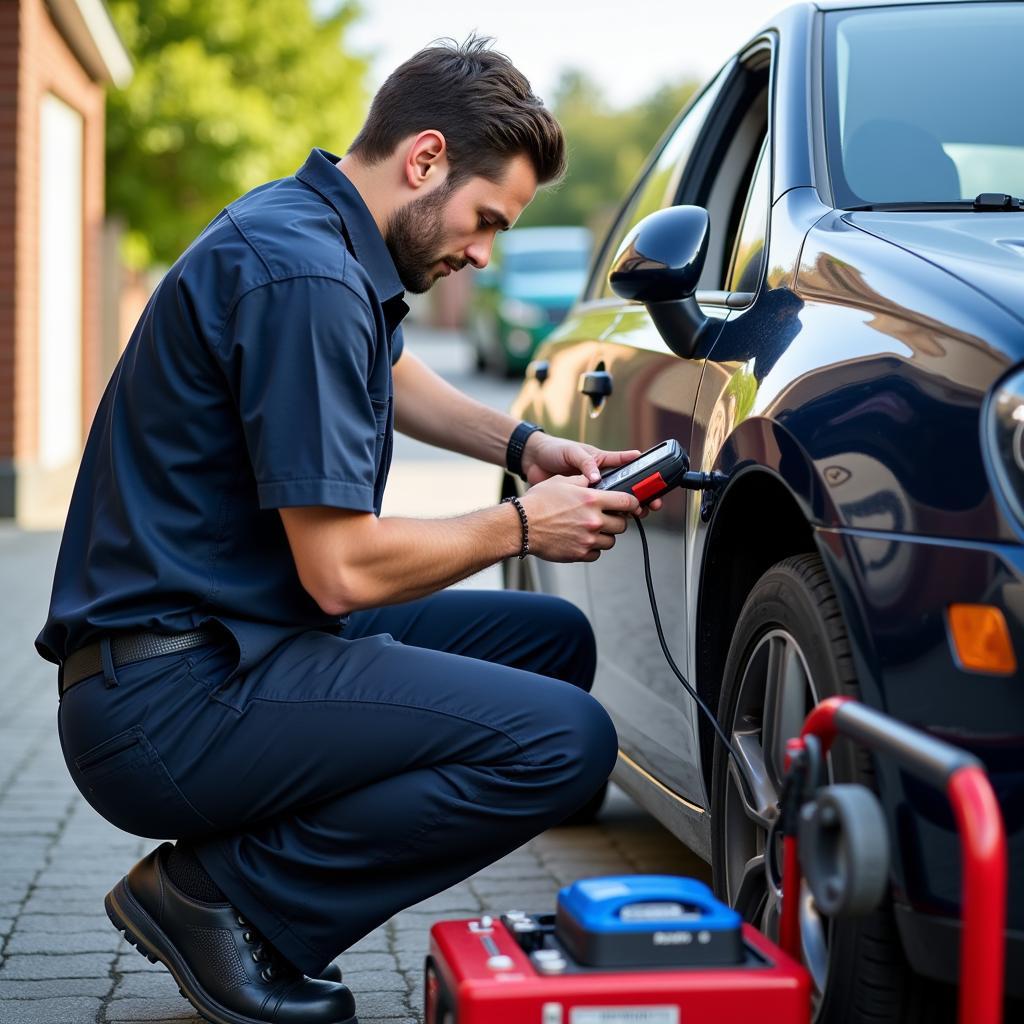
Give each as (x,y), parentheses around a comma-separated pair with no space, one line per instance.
(369,562)
(429,409)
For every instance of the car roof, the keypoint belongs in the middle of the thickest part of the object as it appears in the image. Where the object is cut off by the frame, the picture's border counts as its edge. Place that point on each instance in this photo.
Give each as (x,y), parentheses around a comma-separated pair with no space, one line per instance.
(847,5)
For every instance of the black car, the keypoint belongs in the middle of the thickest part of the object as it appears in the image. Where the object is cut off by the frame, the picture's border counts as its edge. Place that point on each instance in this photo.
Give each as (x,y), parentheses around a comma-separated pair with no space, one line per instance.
(817,286)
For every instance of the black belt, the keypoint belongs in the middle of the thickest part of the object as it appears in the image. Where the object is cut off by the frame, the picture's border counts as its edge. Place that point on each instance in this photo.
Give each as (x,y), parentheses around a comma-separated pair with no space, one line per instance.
(88,661)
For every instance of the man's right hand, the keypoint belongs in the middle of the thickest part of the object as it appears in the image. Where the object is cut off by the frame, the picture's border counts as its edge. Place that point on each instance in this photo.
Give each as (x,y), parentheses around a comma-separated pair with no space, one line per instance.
(572,522)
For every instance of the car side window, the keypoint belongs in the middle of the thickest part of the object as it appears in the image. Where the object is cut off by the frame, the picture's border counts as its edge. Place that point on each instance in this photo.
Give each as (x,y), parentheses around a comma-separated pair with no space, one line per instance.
(659,183)
(725,165)
(749,251)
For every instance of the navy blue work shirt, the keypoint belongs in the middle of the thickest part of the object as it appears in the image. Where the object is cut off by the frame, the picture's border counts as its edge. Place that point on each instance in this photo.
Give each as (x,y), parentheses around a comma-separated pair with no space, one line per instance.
(258,378)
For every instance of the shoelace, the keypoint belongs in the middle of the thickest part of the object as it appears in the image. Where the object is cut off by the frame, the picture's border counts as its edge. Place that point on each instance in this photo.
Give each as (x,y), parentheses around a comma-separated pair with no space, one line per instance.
(264,952)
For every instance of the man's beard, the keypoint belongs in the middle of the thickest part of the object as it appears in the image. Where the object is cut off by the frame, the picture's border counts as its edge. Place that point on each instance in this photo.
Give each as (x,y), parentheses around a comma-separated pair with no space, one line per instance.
(411,234)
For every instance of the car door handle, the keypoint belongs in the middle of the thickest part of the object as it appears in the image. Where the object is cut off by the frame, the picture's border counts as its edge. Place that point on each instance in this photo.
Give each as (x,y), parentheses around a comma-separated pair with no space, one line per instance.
(596,385)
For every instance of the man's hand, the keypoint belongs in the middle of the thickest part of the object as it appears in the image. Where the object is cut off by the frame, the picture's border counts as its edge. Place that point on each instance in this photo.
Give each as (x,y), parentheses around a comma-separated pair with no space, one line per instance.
(545,456)
(571,522)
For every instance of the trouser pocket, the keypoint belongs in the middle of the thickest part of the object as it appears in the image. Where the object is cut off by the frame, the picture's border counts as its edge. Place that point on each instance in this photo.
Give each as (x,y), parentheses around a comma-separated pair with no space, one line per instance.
(126,781)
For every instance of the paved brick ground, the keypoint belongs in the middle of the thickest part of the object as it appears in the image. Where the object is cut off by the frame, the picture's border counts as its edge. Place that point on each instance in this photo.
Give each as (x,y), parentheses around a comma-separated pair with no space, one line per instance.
(62,963)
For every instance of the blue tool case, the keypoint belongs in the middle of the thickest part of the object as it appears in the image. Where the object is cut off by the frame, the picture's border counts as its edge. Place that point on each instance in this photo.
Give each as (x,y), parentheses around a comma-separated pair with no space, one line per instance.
(647,921)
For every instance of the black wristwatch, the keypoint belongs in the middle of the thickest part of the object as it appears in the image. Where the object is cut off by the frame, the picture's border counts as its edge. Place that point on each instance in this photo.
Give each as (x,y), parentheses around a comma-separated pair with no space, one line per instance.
(516,444)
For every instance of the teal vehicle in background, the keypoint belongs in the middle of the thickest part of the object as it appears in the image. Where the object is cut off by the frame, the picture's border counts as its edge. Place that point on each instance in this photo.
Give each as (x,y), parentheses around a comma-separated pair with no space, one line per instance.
(534,277)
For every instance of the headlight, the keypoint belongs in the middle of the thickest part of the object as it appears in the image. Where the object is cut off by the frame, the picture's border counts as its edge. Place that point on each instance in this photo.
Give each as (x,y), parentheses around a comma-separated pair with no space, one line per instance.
(526,314)
(1005,440)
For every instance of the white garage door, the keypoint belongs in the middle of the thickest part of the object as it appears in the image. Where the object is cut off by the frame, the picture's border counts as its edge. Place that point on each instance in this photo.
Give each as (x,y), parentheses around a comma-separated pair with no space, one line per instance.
(60,283)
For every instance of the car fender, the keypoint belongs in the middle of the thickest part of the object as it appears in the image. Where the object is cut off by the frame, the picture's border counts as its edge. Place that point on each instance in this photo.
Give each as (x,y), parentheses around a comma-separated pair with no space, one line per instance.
(765,445)
(774,503)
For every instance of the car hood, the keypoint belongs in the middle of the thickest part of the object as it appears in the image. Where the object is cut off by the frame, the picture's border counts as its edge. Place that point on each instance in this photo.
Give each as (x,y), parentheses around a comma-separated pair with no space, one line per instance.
(985,250)
(556,289)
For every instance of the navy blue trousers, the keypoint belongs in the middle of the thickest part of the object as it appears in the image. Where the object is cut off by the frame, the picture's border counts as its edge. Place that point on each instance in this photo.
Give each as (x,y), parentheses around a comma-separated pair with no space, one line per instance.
(344,778)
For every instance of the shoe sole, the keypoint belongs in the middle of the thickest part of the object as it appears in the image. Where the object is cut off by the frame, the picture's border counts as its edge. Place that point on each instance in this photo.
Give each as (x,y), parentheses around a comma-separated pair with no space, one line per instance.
(132,920)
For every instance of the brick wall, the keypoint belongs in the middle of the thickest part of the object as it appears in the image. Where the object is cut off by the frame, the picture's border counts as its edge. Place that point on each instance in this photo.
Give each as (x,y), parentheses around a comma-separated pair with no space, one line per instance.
(10,38)
(35,59)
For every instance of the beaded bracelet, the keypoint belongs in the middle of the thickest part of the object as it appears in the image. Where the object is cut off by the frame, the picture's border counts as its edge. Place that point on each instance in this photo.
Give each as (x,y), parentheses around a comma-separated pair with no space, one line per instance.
(524,522)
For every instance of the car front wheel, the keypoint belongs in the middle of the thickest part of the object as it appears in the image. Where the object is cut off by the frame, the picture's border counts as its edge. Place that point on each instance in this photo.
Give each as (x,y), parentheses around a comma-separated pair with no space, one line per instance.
(788,652)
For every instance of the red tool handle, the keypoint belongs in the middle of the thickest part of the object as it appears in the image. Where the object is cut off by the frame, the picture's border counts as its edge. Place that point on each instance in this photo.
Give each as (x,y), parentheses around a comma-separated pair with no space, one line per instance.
(982,843)
(789,923)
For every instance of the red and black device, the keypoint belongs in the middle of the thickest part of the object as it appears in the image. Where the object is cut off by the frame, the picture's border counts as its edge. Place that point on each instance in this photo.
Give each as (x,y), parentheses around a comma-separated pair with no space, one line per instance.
(653,474)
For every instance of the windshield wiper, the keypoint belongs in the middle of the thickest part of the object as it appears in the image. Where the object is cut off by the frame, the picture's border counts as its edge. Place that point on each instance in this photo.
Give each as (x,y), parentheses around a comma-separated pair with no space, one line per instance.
(997,201)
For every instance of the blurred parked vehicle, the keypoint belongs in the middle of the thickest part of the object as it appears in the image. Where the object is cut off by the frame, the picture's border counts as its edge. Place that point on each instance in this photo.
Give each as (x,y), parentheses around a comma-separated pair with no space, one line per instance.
(534,276)
(817,287)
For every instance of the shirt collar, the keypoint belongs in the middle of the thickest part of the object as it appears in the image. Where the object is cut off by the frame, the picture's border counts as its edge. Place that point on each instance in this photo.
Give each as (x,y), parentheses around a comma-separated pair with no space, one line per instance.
(369,248)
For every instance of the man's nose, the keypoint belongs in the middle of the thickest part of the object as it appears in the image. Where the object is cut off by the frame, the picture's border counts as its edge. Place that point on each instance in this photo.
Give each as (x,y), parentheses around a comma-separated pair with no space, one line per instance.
(479,254)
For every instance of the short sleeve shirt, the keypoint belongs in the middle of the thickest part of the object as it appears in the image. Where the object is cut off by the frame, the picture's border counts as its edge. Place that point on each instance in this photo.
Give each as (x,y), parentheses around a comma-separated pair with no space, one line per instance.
(257,378)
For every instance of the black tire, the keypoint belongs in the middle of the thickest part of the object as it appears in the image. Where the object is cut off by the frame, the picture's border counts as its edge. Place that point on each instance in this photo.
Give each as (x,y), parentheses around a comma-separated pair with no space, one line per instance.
(511,371)
(791,630)
(481,334)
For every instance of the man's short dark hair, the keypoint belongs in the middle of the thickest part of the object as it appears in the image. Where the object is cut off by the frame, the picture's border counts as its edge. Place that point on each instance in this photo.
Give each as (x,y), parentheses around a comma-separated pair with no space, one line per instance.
(477,99)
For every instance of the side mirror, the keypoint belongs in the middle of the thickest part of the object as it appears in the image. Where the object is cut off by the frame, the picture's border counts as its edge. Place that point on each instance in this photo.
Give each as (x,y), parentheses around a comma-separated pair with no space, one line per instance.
(659,264)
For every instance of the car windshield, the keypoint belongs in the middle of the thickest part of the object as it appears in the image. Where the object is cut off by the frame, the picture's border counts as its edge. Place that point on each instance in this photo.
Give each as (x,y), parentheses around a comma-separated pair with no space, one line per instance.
(923,103)
(545,261)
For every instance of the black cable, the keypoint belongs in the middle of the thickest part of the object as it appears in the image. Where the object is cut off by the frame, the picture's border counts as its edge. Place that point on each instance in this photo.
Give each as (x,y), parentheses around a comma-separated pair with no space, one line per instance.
(675,668)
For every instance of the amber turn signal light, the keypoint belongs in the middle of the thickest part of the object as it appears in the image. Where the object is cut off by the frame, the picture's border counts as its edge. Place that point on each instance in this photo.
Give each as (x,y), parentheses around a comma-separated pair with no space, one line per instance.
(981,639)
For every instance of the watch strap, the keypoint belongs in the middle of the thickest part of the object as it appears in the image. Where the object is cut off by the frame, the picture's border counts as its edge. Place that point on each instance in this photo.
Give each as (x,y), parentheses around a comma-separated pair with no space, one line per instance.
(516,446)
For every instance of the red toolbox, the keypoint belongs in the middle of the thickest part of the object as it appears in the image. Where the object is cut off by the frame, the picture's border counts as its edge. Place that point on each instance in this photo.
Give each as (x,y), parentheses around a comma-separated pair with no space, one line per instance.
(478,973)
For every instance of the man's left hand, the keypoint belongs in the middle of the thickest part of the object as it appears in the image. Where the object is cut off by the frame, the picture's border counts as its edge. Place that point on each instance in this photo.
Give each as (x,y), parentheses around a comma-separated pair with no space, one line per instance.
(545,456)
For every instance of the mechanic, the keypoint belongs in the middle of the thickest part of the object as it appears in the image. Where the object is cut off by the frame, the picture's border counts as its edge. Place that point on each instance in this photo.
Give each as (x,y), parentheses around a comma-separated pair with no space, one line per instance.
(253,661)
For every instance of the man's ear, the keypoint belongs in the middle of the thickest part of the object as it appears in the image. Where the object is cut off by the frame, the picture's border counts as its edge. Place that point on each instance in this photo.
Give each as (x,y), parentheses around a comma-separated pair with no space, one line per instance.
(426,160)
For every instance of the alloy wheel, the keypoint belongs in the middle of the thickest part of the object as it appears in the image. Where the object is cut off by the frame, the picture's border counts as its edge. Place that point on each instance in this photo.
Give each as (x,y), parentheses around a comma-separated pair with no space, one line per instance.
(775,694)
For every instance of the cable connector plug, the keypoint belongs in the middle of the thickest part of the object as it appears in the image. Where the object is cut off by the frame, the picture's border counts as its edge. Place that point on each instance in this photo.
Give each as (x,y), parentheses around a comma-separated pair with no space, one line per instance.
(697,481)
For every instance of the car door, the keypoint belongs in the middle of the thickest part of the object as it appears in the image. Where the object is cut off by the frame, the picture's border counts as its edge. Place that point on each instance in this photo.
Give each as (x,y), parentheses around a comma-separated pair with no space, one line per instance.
(638,392)
(550,397)
(553,390)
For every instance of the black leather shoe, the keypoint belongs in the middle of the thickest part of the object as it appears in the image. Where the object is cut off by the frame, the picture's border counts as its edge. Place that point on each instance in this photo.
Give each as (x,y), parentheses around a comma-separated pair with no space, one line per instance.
(222,965)
(332,972)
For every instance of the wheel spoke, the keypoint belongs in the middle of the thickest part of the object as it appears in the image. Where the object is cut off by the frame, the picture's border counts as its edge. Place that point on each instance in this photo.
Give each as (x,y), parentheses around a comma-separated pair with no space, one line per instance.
(749,896)
(785,703)
(759,798)
(772,915)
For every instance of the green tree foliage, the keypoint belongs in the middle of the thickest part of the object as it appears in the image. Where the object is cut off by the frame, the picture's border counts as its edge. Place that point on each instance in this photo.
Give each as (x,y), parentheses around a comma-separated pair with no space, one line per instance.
(225,95)
(607,147)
